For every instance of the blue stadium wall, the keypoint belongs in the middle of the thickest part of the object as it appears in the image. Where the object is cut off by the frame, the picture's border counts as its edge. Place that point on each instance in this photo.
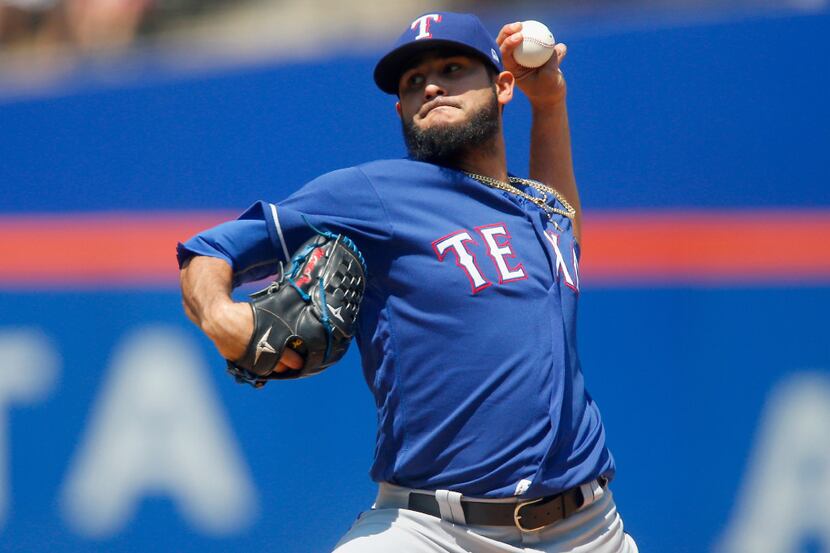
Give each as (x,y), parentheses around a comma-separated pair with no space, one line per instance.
(119,430)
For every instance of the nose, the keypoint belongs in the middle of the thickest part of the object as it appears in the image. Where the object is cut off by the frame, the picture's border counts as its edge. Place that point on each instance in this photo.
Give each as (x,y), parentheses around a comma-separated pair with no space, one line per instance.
(433,89)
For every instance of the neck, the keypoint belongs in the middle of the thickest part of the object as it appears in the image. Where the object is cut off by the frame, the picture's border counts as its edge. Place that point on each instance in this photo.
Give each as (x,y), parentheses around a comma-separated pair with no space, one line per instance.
(488,160)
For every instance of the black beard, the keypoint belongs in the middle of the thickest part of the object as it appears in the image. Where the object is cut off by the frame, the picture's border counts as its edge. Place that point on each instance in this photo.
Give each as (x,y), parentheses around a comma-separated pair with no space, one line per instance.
(447,144)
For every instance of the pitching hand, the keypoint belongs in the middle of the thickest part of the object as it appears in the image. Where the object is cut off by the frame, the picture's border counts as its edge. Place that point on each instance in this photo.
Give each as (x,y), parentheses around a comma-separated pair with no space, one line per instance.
(542,85)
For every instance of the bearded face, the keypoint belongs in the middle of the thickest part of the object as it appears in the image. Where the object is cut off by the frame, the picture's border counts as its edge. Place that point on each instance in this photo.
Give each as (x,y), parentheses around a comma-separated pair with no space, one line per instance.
(444,143)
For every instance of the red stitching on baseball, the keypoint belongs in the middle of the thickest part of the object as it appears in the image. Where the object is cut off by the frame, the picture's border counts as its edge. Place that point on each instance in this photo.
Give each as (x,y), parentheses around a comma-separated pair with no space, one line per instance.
(539,42)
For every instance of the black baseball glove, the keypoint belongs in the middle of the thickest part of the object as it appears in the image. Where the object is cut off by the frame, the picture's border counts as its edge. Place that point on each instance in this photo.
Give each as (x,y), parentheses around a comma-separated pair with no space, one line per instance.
(311,308)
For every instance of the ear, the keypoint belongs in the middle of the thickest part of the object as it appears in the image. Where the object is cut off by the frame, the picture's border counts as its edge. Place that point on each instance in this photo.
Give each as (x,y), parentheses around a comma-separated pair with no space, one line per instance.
(505,83)
(398,108)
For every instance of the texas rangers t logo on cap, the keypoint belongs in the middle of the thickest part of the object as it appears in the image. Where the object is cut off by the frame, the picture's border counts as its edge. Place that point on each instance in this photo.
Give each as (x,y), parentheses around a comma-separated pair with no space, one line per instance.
(423,23)
(456,33)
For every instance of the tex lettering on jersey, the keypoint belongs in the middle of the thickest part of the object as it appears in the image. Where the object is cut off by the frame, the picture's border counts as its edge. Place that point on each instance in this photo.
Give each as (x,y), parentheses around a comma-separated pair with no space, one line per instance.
(570,275)
(494,239)
(459,243)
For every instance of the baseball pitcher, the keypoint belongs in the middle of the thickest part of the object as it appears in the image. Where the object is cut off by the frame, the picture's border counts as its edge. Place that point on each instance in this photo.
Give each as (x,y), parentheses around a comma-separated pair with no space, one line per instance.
(458,280)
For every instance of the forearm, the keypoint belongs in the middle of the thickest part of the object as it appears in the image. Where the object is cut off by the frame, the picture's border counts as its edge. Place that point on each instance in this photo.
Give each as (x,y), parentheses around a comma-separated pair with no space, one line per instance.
(551,161)
(206,284)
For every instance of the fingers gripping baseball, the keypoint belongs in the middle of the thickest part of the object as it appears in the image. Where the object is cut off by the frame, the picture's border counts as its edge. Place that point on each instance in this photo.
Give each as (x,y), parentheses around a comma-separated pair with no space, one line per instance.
(543,84)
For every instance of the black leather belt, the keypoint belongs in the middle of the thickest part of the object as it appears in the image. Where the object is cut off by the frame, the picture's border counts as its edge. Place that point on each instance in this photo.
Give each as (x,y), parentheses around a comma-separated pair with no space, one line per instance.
(528,516)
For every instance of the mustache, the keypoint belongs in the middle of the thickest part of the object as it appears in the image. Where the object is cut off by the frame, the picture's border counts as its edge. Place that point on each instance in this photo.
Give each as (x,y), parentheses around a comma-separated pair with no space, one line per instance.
(435,103)
(446,144)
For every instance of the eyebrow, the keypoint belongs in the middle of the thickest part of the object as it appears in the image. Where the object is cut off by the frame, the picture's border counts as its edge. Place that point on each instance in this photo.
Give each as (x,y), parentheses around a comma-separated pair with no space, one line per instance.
(429,55)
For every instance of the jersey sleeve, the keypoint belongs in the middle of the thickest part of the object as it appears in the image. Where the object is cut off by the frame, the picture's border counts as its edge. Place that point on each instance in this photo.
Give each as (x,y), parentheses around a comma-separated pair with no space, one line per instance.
(342,202)
(266,233)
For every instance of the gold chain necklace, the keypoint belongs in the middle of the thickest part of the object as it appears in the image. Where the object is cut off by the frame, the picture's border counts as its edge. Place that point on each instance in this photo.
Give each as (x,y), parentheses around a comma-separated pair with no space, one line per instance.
(543,189)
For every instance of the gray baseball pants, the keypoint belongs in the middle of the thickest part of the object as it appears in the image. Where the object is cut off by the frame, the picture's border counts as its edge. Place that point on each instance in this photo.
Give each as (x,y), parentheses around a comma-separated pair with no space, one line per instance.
(389,527)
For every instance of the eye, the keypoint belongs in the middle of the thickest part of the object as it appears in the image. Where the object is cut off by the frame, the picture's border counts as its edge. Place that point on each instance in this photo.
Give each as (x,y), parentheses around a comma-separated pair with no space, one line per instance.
(412,80)
(452,67)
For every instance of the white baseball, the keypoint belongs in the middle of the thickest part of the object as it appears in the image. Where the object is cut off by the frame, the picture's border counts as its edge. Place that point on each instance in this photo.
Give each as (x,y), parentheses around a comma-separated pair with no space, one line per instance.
(536,47)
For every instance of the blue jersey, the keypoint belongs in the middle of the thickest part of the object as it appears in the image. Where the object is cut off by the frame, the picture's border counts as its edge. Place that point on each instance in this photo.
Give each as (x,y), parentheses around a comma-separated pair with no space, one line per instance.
(467,331)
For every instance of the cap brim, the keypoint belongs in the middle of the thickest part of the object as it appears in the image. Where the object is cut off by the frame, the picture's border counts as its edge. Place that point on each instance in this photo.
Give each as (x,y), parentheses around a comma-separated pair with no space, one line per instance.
(389,69)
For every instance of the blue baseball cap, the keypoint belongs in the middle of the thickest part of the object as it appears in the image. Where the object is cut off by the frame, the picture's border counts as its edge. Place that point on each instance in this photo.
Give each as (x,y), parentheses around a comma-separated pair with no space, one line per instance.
(463,32)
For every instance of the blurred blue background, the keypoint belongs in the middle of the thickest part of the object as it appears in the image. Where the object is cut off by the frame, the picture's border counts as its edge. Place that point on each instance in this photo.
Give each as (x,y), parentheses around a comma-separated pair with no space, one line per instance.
(716,397)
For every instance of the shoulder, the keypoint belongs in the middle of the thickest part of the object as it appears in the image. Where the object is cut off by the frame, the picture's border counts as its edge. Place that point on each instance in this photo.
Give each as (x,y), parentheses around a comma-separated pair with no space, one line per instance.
(374,171)
(385,165)
(399,168)
(346,175)
(397,176)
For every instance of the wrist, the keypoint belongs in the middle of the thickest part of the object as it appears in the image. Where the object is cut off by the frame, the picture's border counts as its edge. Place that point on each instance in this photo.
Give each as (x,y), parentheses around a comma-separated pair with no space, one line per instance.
(230,326)
(216,316)
(541,104)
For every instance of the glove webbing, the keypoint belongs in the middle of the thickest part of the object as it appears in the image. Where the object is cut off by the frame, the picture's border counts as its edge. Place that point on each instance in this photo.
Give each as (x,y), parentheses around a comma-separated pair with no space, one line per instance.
(296,262)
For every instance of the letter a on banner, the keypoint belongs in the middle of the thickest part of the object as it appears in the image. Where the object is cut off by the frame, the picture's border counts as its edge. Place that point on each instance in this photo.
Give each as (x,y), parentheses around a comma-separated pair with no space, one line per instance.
(158,429)
(785,500)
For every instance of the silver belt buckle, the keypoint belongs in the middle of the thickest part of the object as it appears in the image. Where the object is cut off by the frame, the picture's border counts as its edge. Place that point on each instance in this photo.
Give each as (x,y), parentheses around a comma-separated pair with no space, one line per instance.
(517,517)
